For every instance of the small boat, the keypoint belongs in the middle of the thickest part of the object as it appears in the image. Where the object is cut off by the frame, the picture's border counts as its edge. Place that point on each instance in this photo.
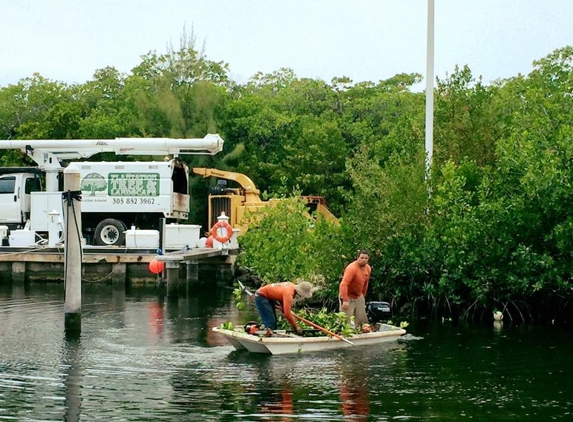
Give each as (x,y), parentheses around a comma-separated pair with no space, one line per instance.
(289,343)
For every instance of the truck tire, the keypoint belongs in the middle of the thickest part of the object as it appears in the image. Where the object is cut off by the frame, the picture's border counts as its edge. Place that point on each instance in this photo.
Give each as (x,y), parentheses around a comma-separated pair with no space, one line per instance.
(110,232)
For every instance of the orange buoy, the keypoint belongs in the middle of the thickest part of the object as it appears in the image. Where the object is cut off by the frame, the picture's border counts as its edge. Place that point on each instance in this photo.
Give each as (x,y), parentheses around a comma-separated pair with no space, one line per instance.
(227,228)
(156,266)
(209,242)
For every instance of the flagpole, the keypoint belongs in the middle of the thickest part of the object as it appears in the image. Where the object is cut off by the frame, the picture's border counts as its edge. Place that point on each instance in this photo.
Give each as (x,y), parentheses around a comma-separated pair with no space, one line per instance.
(429,144)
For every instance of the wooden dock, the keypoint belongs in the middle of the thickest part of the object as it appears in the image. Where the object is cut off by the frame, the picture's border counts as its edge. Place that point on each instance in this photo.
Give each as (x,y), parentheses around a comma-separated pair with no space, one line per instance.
(115,264)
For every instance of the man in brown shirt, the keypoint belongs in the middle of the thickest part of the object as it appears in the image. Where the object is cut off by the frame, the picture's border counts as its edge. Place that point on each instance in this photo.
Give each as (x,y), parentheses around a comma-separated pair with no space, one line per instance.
(353,288)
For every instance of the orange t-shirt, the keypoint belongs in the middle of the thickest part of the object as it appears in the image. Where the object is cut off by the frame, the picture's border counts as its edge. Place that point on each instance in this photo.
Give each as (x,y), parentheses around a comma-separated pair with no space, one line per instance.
(281,292)
(354,281)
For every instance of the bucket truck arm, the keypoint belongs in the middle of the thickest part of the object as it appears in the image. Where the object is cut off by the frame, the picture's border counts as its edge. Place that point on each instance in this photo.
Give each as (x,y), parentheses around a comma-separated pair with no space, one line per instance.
(48,153)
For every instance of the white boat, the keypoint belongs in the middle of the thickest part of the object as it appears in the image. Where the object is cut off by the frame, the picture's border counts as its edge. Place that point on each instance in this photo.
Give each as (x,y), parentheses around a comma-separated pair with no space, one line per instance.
(280,344)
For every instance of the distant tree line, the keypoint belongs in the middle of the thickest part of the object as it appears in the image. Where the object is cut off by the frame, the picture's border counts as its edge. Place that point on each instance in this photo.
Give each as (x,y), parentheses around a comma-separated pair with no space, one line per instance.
(491,228)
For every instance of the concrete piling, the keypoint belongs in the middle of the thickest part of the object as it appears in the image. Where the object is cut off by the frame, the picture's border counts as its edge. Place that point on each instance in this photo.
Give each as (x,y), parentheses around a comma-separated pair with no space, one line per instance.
(171,275)
(18,271)
(119,274)
(72,250)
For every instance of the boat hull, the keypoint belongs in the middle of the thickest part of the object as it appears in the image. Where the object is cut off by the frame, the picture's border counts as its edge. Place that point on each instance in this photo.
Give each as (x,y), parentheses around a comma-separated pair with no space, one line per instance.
(289,344)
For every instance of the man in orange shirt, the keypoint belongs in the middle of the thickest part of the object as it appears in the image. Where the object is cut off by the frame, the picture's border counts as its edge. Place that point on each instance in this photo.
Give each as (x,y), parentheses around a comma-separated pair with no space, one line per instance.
(271,295)
(353,288)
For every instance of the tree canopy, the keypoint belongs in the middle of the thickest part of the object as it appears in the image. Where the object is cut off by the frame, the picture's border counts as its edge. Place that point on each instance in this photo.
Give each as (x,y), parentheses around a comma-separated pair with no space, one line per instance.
(491,228)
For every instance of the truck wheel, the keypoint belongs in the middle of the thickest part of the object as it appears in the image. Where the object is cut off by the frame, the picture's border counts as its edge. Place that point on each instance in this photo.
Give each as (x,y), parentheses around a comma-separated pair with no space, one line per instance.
(110,232)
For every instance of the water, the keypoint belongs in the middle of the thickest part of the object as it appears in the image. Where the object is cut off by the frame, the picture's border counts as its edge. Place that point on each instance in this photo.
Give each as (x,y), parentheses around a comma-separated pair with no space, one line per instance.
(141,357)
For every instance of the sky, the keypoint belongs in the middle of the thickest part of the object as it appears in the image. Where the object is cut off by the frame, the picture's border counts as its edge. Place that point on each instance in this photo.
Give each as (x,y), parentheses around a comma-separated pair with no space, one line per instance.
(365,40)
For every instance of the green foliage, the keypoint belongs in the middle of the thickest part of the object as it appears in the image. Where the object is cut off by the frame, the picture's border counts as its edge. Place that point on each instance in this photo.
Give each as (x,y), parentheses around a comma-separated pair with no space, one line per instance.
(238,296)
(228,325)
(335,322)
(466,121)
(292,135)
(284,243)
(38,108)
(177,93)
(490,228)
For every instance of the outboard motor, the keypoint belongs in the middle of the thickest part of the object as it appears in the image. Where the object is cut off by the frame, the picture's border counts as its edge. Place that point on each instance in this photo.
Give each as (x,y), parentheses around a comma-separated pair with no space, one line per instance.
(378,312)
(252,327)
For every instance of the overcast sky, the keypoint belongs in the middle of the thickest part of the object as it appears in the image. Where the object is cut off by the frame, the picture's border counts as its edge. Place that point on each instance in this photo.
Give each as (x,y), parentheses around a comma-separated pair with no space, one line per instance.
(366,40)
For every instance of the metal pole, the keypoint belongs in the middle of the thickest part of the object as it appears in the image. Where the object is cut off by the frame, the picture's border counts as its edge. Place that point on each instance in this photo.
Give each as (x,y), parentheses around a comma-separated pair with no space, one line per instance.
(430,89)
(72,250)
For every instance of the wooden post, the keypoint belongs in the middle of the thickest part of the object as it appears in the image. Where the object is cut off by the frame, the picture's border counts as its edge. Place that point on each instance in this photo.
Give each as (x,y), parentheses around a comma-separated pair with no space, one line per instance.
(72,250)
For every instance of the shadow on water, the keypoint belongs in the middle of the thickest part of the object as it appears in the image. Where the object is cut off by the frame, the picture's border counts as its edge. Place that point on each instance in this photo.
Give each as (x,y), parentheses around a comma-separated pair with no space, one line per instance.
(147,357)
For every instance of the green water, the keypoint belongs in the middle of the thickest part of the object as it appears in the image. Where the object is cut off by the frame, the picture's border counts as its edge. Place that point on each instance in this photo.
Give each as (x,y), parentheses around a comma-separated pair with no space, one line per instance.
(141,357)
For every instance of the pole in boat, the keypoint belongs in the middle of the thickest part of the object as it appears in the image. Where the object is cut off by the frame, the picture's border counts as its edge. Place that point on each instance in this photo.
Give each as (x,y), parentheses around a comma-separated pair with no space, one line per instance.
(72,250)
(244,288)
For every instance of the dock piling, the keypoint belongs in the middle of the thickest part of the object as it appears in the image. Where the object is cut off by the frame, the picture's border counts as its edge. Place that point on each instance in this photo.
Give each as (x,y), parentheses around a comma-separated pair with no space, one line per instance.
(72,250)
(18,271)
(192,272)
(172,278)
(119,273)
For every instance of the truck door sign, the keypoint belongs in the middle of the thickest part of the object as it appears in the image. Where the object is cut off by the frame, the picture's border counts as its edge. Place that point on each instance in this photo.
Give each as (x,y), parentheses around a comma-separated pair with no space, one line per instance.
(133,184)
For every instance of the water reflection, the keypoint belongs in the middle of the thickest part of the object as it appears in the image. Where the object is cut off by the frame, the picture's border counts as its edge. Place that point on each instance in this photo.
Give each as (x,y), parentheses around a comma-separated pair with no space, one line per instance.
(354,392)
(156,316)
(331,385)
(279,405)
(72,373)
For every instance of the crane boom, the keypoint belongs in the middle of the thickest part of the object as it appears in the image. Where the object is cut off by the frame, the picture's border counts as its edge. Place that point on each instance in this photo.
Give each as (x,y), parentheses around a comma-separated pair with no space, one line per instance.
(245,181)
(47,153)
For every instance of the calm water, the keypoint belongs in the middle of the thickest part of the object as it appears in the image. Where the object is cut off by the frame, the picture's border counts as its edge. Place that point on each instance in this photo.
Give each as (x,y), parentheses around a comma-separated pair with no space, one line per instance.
(141,357)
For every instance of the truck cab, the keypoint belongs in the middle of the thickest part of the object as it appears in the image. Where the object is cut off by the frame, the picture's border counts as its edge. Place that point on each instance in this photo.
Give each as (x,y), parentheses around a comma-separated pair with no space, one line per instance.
(16,186)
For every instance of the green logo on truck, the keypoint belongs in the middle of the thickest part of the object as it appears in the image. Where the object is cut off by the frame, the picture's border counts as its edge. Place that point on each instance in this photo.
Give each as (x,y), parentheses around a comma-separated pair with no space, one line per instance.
(122,184)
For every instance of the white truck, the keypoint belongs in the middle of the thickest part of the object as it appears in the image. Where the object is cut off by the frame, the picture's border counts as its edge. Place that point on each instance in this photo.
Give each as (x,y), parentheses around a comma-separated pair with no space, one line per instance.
(115,195)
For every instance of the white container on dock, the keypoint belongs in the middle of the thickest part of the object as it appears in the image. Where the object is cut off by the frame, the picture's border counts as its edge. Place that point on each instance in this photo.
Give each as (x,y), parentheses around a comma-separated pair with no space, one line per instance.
(22,238)
(141,238)
(177,236)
